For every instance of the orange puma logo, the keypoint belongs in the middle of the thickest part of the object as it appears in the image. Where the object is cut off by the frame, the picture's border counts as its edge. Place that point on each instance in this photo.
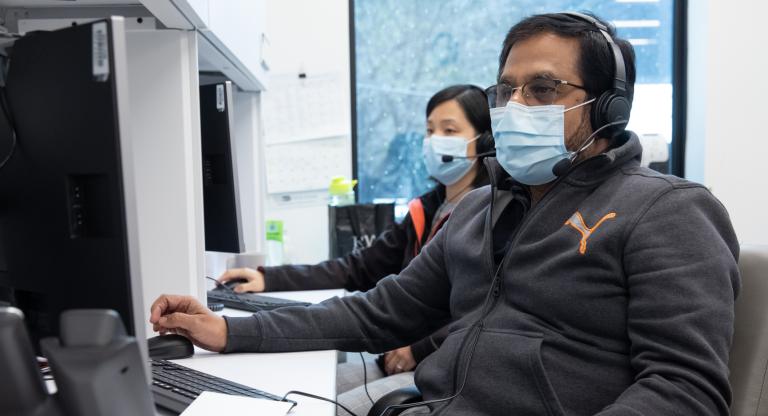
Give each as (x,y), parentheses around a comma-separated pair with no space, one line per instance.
(577,222)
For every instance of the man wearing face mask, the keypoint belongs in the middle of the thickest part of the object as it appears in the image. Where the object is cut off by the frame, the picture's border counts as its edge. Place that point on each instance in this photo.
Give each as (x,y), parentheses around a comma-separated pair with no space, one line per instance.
(578,283)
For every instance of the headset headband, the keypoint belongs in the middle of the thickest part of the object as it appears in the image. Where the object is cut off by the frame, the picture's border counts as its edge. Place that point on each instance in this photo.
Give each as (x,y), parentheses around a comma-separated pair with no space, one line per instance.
(620,72)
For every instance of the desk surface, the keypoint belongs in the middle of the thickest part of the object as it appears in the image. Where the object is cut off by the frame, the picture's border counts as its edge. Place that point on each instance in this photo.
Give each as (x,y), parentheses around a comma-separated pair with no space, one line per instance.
(277,373)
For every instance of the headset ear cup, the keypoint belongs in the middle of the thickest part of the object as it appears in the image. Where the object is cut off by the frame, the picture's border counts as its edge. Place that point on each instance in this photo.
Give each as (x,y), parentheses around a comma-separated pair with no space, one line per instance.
(619,109)
(598,111)
(485,143)
(610,107)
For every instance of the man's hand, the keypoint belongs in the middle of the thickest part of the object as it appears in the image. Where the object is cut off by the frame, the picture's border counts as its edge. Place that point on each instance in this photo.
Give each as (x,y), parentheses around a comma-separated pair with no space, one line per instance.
(254,279)
(186,316)
(399,361)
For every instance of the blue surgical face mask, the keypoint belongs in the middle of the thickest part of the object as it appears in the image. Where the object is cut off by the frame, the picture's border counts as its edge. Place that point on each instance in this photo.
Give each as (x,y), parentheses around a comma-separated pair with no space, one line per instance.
(530,140)
(447,173)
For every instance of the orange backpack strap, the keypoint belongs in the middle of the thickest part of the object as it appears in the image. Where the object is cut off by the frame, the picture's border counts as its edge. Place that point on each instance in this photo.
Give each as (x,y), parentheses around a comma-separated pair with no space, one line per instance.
(416,211)
(438,226)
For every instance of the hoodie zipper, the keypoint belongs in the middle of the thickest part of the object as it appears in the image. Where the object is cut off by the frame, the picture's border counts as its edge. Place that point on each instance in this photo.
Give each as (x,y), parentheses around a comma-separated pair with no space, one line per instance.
(495,293)
(497,281)
(545,198)
(470,341)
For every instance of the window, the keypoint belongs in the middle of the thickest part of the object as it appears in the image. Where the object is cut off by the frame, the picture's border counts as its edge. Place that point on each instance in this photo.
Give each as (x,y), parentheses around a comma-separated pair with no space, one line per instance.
(404,51)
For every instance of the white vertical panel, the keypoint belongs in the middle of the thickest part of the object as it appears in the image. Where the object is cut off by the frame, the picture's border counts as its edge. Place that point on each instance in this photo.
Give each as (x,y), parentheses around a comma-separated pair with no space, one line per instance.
(194,166)
(250,155)
(130,185)
(165,123)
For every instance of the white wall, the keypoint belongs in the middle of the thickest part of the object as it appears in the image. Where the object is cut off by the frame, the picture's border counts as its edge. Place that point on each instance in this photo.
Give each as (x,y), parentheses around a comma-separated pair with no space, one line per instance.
(309,36)
(727,99)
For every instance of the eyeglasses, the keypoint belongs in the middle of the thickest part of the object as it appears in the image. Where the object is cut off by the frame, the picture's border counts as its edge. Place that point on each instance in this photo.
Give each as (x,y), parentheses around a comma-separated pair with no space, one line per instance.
(540,91)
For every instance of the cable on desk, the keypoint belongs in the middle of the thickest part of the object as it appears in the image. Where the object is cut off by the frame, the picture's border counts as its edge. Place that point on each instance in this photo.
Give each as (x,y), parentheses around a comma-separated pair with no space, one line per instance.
(301,393)
(221,285)
(365,379)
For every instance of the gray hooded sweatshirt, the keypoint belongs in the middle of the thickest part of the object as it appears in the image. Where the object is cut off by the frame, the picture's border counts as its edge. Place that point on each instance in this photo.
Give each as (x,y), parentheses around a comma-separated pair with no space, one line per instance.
(615,297)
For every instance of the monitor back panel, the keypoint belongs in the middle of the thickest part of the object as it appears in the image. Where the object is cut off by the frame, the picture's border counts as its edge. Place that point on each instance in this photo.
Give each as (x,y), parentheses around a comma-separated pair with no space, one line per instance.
(62,215)
(223,231)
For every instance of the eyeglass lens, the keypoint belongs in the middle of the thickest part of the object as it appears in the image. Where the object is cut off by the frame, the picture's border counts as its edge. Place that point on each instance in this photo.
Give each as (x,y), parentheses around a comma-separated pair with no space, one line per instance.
(535,92)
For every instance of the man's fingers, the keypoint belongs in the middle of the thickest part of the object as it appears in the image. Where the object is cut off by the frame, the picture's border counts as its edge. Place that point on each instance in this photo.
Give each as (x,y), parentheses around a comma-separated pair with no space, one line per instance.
(240,288)
(167,304)
(158,308)
(389,363)
(177,320)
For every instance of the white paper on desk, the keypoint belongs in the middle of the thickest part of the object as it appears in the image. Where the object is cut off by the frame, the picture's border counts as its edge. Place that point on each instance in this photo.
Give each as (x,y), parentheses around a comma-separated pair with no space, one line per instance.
(210,403)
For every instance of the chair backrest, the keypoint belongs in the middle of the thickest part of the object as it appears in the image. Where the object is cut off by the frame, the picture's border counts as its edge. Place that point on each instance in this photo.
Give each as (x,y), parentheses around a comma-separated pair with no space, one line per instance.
(749,352)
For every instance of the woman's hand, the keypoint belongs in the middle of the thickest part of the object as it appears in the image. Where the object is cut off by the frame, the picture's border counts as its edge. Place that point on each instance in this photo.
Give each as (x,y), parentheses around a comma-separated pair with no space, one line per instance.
(399,361)
(254,279)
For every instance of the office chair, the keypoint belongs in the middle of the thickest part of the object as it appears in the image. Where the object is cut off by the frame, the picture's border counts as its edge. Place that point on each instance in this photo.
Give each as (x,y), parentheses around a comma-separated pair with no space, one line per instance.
(403,395)
(749,351)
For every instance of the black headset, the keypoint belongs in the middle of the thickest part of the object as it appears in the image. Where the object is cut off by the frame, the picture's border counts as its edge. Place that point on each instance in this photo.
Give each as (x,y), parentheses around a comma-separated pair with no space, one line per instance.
(611,109)
(485,145)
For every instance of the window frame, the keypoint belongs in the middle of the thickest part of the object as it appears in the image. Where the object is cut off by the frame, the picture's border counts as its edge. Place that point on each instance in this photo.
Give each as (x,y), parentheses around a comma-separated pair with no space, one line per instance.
(676,162)
(679,87)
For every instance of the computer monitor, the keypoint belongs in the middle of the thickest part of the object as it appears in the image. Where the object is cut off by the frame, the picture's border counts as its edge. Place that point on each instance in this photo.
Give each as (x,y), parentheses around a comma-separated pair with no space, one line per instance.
(67,208)
(221,202)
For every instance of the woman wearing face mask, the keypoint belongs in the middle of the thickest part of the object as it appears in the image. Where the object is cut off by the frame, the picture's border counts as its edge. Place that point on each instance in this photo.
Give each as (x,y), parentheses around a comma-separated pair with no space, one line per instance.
(458,137)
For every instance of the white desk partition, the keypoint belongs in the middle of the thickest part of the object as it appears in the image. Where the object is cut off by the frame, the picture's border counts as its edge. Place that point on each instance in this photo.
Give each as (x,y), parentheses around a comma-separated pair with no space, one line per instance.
(165,139)
(277,373)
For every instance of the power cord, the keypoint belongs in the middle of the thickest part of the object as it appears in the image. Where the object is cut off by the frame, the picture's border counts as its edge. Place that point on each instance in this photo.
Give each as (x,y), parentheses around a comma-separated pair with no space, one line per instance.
(449,398)
(365,385)
(365,378)
(301,393)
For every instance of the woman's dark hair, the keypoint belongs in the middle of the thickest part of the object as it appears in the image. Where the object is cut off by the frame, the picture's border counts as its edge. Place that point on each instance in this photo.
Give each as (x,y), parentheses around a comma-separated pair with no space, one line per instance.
(474,103)
(596,62)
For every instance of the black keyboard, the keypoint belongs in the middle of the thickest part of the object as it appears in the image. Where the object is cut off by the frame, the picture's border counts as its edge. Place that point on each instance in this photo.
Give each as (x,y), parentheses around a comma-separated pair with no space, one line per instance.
(250,301)
(174,386)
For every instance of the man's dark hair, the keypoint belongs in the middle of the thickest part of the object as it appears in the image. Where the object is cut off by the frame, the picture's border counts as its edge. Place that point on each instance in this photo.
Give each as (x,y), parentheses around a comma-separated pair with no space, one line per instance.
(596,63)
(473,101)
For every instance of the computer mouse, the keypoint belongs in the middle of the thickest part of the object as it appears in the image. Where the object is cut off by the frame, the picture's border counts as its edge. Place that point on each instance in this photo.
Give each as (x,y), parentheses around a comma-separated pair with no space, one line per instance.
(170,347)
(234,282)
